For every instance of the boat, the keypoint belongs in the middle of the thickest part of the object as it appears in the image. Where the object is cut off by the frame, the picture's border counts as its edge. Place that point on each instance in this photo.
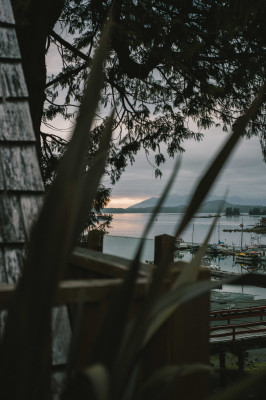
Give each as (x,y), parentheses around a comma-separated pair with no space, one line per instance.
(247,257)
(212,249)
(263,260)
(181,245)
(260,250)
(207,262)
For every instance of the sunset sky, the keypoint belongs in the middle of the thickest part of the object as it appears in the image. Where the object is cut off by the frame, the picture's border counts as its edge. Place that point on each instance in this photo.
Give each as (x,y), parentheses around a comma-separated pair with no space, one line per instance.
(244,175)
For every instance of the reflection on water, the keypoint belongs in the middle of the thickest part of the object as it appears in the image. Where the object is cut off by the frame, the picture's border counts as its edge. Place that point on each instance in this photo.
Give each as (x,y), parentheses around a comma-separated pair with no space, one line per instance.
(132,225)
(126,247)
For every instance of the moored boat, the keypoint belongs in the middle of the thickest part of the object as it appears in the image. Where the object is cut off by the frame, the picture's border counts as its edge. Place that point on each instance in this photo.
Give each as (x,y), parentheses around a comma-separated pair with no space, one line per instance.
(260,250)
(207,262)
(247,257)
(181,245)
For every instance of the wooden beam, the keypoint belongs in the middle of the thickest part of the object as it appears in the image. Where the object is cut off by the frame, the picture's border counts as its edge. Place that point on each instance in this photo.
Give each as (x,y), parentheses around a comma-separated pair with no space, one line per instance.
(87,291)
(94,290)
(104,264)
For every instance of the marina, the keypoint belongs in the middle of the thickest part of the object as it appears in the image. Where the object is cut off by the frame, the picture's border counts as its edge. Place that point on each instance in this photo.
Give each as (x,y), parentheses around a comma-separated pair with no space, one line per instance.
(127,230)
(227,231)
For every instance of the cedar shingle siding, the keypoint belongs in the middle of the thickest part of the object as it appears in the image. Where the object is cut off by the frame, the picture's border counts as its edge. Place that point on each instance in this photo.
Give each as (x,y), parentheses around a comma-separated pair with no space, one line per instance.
(21,186)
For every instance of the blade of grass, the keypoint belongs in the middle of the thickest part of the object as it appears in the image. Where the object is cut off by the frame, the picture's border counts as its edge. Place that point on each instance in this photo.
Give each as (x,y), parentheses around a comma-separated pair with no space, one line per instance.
(158,206)
(133,342)
(100,381)
(173,300)
(201,192)
(190,273)
(214,169)
(177,297)
(166,305)
(110,338)
(93,383)
(24,353)
(206,183)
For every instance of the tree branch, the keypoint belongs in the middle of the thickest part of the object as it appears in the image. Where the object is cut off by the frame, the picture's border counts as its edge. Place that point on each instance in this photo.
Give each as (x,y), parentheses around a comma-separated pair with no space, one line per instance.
(67,75)
(69,46)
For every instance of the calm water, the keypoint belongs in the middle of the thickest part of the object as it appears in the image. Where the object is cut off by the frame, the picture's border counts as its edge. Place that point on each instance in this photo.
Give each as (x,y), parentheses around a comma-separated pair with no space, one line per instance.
(132,225)
(126,231)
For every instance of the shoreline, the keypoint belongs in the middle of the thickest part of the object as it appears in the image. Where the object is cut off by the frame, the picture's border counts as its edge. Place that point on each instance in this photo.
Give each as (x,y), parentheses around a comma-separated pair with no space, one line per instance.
(259,229)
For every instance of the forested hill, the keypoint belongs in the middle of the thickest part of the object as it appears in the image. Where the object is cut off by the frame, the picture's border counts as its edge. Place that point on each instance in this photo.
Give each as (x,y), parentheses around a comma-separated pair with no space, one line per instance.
(208,207)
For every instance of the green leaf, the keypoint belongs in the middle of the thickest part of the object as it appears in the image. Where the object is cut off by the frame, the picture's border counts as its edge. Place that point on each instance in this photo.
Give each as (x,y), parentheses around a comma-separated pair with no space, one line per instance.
(109,342)
(100,381)
(26,343)
(170,302)
(190,273)
(215,167)
(158,206)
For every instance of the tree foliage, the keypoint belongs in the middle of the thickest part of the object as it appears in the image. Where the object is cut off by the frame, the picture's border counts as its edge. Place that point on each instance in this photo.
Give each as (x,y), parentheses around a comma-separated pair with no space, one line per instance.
(257,211)
(175,67)
(171,62)
(232,211)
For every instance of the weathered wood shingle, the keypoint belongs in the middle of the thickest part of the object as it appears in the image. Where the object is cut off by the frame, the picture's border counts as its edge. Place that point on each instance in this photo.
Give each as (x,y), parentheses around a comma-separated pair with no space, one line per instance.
(12,80)
(20,168)
(30,205)
(8,44)
(11,219)
(21,186)
(15,122)
(6,13)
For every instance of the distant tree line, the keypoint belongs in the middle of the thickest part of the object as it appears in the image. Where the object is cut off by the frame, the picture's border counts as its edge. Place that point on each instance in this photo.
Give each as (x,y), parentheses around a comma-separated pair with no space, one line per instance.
(257,211)
(232,211)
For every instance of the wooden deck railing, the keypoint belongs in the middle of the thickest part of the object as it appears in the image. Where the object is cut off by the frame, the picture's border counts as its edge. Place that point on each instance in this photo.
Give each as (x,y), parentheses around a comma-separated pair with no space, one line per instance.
(238,330)
(183,339)
(229,315)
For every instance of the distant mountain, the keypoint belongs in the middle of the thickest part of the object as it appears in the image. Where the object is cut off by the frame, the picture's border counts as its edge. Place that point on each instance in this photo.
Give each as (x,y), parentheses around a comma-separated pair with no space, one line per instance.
(176,200)
(173,200)
(151,202)
(207,207)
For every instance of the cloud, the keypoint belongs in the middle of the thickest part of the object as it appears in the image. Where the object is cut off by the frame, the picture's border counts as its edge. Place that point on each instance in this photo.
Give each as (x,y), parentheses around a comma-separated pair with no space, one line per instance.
(244,173)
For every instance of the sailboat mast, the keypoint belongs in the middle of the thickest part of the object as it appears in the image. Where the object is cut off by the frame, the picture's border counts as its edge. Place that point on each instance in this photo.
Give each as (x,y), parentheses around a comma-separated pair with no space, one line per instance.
(241,245)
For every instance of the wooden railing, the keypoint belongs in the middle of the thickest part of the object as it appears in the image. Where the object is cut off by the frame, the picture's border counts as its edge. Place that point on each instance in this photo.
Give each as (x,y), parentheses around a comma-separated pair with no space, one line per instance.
(238,330)
(229,315)
(183,339)
(230,331)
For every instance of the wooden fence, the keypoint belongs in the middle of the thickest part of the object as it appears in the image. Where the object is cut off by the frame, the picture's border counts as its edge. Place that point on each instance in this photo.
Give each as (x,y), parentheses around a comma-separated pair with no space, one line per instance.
(184,338)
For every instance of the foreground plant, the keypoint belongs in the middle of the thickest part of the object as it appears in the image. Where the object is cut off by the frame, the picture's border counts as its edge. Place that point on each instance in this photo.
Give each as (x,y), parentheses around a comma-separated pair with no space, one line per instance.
(111,373)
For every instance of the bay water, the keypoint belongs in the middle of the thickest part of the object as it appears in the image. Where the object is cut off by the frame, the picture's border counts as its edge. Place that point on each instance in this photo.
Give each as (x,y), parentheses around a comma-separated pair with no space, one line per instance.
(127,229)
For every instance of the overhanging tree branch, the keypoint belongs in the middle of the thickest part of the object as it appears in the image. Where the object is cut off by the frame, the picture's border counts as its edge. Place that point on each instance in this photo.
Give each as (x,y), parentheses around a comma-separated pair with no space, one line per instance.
(67,75)
(69,46)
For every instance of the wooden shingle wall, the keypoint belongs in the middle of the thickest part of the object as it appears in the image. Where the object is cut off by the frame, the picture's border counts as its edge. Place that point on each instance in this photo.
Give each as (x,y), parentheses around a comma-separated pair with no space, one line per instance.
(21,186)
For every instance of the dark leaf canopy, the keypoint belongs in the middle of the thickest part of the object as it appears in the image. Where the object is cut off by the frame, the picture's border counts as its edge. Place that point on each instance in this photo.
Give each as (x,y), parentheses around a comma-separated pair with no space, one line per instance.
(170,62)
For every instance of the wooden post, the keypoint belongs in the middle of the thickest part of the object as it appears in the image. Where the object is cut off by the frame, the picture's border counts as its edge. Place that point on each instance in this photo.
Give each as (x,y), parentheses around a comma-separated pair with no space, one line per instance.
(95,240)
(163,244)
(183,340)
